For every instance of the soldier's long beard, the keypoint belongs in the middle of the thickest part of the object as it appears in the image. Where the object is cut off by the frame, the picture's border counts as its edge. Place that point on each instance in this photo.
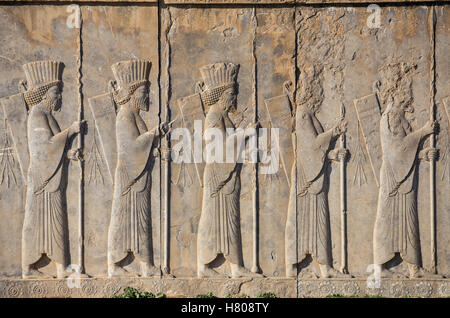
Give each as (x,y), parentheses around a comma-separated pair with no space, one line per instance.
(228,106)
(140,103)
(53,104)
(228,103)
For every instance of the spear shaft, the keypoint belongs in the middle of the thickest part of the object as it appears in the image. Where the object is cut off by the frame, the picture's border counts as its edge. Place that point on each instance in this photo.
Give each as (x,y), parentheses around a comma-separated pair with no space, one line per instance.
(432,28)
(255,266)
(80,146)
(342,177)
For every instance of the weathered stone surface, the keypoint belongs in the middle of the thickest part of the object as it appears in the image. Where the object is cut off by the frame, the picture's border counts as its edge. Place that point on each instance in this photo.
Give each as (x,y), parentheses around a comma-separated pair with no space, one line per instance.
(352,192)
(305,2)
(233,2)
(189,287)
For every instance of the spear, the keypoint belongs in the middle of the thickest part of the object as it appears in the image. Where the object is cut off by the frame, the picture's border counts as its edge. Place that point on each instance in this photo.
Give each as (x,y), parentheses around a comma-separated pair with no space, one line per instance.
(343,202)
(432,29)
(80,146)
(255,267)
(167,20)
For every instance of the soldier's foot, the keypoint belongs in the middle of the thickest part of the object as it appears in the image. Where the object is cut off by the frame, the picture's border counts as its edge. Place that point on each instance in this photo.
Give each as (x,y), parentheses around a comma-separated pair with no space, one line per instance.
(240,271)
(291,271)
(327,271)
(31,273)
(205,272)
(117,271)
(382,272)
(61,272)
(308,275)
(166,273)
(385,273)
(150,270)
(418,272)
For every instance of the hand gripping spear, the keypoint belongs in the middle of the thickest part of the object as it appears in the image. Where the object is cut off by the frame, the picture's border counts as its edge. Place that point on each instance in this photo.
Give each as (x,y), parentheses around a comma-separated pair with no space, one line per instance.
(343,201)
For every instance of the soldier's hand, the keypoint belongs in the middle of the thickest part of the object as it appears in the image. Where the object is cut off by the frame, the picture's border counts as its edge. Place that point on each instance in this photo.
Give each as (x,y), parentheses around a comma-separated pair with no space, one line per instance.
(433,154)
(338,154)
(155,131)
(429,154)
(83,126)
(77,126)
(340,128)
(75,154)
(431,127)
(255,125)
(342,154)
(164,128)
(376,87)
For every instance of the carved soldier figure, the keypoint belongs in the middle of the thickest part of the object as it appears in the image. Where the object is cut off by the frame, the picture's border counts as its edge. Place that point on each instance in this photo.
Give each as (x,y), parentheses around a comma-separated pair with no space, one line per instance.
(219,227)
(308,220)
(396,225)
(129,230)
(45,230)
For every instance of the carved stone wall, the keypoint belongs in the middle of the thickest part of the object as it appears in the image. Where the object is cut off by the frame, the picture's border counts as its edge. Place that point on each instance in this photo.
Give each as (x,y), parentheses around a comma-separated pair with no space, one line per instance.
(357,181)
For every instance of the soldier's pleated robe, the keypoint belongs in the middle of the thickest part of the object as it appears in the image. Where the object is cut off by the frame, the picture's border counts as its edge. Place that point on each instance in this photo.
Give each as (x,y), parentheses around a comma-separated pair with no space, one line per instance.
(129,229)
(396,225)
(307,225)
(45,223)
(219,226)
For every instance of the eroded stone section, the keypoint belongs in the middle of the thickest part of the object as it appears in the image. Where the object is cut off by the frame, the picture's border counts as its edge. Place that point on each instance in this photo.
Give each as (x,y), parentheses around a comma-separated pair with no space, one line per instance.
(397,225)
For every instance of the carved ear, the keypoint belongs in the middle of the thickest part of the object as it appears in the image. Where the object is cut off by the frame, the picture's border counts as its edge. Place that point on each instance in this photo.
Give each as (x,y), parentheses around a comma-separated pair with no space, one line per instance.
(289,92)
(199,87)
(287,87)
(23,86)
(376,86)
(112,86)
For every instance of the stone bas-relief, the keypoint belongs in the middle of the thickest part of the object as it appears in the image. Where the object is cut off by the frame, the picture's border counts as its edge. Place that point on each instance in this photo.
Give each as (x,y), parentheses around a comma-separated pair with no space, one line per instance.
(307,226)
(219,226)
(397,225)
(136,221)
(129,229)
(129,234)
(45,233)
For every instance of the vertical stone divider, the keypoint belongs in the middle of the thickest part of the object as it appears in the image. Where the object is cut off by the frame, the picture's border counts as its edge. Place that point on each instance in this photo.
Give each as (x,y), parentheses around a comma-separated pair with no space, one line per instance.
(294,141)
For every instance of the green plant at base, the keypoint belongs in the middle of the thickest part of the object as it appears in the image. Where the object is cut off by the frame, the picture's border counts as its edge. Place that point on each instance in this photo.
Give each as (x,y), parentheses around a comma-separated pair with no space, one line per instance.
(131,292)
(342,296)
(208,295)
(267,295)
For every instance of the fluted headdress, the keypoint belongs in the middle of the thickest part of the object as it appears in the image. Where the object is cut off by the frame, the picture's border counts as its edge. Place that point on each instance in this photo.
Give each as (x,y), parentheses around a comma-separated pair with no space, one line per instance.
(129,76)
(217,78)
(40,76)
